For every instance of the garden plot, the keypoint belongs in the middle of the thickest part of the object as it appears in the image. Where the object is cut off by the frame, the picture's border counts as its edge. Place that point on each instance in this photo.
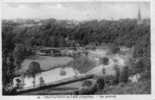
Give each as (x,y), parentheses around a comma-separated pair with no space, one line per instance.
(46,62)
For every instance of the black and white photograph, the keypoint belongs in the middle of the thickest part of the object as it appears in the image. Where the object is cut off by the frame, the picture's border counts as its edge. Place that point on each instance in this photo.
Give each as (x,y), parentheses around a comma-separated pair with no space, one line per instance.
(76,48)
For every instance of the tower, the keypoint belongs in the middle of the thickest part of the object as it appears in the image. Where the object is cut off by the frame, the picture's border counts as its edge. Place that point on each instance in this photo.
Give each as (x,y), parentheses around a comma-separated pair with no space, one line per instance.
(139,18)
(139,14)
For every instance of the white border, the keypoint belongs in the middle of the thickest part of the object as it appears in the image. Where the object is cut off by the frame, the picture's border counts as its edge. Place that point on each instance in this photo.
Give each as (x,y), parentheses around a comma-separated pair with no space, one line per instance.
(118,97)
(72,0)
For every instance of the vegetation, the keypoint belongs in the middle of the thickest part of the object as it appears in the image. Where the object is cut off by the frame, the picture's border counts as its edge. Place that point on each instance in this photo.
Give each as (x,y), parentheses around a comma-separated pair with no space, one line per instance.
(142,87)
(19,37)
(20,53)
(34,68)
(8,72)
(82,64)
(54,33)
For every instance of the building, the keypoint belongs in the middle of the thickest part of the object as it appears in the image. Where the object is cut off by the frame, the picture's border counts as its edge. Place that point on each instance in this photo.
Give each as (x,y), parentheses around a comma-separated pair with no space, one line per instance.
(139,18)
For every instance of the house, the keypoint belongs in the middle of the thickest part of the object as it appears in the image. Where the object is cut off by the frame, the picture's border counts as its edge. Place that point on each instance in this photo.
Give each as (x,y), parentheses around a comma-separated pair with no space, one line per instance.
(49,51)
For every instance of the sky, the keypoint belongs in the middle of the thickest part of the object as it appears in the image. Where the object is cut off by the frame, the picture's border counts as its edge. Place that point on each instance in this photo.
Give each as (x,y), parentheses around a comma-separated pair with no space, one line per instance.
(75,10)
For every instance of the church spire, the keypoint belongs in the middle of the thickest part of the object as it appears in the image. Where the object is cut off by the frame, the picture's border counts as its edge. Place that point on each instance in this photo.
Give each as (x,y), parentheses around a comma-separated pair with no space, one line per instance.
(139,14)
(139,19)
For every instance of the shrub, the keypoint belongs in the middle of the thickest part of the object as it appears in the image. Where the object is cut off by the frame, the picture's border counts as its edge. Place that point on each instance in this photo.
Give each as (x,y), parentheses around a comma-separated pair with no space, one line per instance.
(62,72)
(100,83)
(105,60)
(82,64)
(88,88)
(143,66)
(87,83)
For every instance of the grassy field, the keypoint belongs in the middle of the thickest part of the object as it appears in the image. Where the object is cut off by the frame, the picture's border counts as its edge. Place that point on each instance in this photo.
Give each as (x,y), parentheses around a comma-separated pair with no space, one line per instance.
(46,62)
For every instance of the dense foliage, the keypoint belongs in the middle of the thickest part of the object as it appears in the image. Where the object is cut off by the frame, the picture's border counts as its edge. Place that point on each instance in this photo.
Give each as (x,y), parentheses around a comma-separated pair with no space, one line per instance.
(60,33)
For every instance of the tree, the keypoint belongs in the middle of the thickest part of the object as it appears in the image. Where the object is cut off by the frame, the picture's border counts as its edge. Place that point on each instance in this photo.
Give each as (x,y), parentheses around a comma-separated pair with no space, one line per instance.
(61,41)
(18,54)
(34,68)
(7,70)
